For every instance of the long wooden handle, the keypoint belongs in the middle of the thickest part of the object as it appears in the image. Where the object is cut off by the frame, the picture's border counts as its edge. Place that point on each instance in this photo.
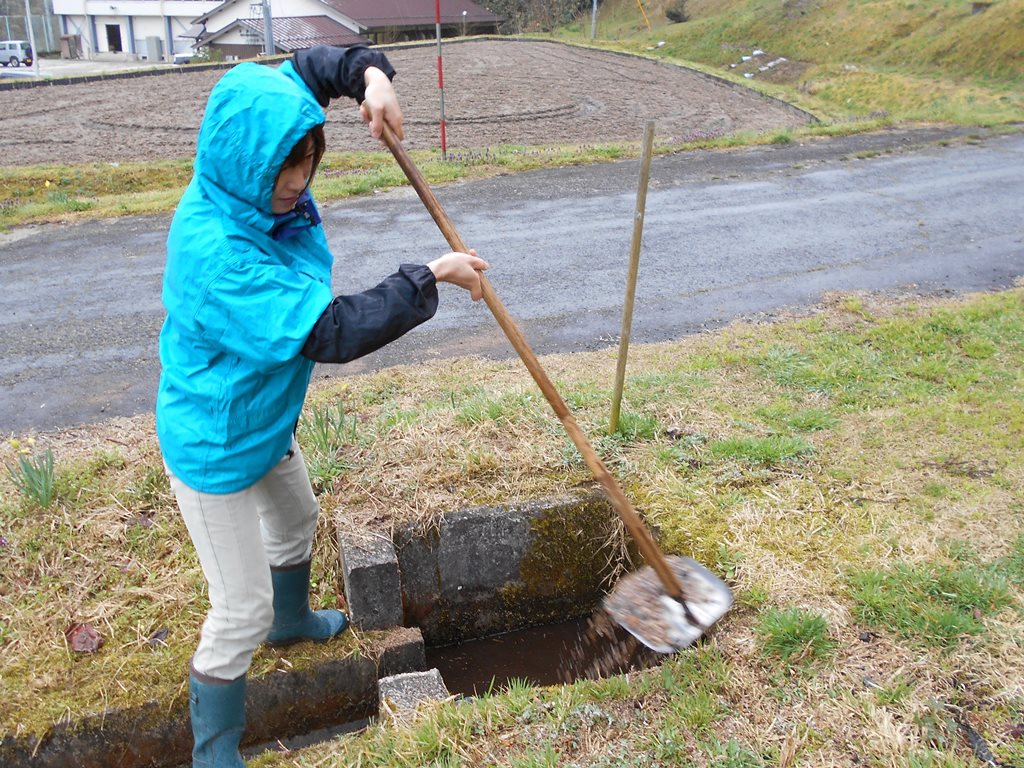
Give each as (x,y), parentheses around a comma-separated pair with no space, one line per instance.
(625,510)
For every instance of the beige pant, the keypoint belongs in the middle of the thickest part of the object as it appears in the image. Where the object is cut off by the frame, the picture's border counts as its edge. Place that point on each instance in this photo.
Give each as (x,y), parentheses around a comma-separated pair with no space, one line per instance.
(238,537)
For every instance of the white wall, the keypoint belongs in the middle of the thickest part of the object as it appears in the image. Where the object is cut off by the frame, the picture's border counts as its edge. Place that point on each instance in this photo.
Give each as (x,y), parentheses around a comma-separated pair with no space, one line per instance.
(235,37)
(280,9)
(186,8)
(148,19)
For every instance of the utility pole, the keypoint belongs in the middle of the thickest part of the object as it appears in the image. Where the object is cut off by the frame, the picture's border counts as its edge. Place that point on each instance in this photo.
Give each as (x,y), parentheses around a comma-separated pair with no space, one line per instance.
(268,30)
(593,21)
(32,38)
(47,28)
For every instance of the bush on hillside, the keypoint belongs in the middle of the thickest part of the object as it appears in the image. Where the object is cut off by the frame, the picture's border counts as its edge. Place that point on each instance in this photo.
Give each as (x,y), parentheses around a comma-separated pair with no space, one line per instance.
(536,15)
(677,11)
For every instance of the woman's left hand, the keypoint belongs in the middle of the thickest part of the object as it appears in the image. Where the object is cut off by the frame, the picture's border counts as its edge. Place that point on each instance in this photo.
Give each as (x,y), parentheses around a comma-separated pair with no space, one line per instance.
(461,269)
(380,104)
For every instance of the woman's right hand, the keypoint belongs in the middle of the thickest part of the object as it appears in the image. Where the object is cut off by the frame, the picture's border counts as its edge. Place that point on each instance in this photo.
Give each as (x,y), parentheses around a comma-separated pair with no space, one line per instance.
(461,269)
(380,104)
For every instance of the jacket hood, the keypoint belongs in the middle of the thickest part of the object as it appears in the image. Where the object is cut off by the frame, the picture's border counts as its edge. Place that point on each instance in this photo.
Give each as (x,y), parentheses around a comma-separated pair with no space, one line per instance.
(254,117)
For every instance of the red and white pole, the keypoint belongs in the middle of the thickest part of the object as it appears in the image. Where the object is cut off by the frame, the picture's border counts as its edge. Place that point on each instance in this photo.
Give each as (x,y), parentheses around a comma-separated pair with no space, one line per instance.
(440,75)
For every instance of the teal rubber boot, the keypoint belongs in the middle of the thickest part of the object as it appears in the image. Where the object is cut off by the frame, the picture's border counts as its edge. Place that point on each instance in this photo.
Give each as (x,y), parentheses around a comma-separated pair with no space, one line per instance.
(293,620)
(217,710)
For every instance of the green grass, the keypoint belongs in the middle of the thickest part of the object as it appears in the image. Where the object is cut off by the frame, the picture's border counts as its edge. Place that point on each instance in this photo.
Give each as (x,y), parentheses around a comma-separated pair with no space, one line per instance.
(58,192)
(636,426)
(930,602)
(38,194)
(767,451)
(731,754)
(34,479)
(896,694)
(794,636)
(1013,564)
(326,431)
(935,37)
(893,359)
(782,415)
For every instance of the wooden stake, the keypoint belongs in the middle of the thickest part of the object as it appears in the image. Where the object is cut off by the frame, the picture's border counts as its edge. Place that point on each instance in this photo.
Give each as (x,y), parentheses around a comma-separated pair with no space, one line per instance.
(634,266)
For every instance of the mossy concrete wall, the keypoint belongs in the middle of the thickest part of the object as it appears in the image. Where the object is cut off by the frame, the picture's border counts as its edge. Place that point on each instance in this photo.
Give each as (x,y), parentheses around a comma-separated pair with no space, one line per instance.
(279,705)
(487,570)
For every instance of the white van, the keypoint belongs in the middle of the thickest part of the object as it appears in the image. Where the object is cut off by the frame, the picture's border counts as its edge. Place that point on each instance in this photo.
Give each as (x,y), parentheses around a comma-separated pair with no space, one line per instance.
(15,53)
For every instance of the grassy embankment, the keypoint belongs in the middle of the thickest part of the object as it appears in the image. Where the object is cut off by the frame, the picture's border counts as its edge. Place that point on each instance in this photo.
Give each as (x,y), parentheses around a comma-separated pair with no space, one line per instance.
(932,61)
(857,65)
(855,475)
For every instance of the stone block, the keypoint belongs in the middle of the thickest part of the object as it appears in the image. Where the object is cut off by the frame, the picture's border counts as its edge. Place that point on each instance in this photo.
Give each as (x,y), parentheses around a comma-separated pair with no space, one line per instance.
(402,694)
(372,583)
(400,650)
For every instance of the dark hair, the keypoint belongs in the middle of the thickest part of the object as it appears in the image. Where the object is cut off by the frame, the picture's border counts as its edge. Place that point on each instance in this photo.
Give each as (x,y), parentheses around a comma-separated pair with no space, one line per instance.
(315,139)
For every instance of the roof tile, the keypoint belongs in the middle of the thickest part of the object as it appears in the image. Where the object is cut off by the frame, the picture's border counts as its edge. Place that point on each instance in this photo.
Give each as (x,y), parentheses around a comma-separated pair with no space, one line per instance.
(297,32)
(404,13)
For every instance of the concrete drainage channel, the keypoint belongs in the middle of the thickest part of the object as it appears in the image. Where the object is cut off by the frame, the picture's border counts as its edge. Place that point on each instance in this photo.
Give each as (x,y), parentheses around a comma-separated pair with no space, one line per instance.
(420,595)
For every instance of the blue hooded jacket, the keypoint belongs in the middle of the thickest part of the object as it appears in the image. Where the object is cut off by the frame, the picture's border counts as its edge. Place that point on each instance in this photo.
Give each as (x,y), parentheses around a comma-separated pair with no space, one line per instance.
(240,304)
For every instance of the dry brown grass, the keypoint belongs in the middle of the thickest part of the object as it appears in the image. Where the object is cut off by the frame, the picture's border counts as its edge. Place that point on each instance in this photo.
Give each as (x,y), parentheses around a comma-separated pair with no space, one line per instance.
(890,480)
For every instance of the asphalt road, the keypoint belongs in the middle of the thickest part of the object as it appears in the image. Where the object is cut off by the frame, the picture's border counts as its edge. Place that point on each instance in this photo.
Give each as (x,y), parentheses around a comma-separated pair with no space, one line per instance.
(727,235)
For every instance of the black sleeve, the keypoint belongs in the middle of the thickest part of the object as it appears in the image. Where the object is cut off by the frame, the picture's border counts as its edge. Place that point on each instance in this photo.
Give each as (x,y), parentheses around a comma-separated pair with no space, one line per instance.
(332,72)
(353,326)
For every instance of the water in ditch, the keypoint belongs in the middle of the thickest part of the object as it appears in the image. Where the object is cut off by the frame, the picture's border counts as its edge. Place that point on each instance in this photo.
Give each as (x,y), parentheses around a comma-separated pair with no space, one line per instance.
(554,654)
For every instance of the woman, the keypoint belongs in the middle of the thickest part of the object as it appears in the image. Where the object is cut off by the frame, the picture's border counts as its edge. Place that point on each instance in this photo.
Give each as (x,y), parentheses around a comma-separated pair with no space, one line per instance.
(249,311)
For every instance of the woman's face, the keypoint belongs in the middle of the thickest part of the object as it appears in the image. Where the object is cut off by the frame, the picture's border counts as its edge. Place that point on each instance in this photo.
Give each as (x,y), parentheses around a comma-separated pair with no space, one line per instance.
(292,181)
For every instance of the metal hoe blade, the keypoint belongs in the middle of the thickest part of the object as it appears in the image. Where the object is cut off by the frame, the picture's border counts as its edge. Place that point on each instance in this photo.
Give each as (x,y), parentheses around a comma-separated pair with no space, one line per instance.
(640,605)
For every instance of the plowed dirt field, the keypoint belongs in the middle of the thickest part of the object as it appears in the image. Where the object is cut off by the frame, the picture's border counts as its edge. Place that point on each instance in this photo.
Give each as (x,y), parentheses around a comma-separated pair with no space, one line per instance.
(519,92)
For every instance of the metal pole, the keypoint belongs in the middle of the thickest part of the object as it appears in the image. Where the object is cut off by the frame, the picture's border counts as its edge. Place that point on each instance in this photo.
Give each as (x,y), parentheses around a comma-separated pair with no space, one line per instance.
(440,75)
(634,264)
(593,21)
(268,30)
(32,38)
(47,29)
